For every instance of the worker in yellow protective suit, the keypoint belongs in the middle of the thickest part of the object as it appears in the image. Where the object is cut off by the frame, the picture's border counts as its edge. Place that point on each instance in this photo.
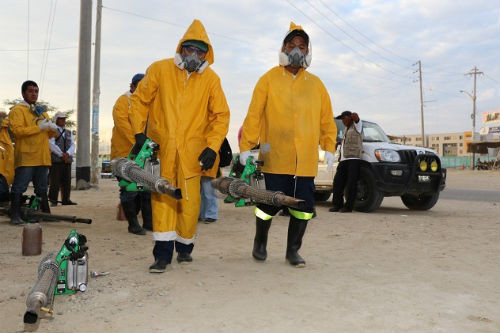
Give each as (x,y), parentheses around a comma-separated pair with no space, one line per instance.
(289,115)
(32,130)
(6,159)
(122,141)
(182,101)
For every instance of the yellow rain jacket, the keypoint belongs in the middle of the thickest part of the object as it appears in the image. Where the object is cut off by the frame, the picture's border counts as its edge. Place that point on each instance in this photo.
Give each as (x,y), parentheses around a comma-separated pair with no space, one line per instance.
(7,153)
(31,143)
(186,114)
(122,138)
(289,116)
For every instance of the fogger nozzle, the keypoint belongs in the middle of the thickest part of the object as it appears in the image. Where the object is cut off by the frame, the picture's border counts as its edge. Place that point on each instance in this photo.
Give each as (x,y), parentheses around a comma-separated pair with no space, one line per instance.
(132,172)
(238,188)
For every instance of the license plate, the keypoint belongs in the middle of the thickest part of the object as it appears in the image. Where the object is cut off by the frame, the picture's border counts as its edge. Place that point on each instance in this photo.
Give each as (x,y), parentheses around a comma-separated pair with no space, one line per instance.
(424,179)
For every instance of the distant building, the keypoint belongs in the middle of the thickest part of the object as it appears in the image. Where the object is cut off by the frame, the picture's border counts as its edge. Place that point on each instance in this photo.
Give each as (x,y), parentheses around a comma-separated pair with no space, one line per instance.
(445,144)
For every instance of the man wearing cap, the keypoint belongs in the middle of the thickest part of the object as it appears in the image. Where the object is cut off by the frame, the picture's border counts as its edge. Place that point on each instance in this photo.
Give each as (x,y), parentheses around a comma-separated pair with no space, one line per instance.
(182,101)
(347,174)
(122,140)
(32,130)
(62,149)
(290,113)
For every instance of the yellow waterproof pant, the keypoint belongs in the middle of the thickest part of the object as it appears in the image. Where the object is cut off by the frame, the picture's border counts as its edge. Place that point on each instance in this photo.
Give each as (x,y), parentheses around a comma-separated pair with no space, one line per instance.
(177,219)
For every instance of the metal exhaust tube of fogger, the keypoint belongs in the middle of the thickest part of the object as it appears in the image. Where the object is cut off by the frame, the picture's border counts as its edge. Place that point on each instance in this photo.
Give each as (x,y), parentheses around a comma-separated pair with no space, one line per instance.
(132,172)
(42,293)
(238,188)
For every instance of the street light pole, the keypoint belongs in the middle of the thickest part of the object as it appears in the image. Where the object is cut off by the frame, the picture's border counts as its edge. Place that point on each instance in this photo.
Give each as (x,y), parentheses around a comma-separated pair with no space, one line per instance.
(474,72)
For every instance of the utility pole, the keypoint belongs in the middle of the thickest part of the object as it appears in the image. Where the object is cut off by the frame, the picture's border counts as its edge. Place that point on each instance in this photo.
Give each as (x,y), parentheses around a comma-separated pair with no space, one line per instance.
(419,63)
(474,72)
(83,108)
(95,98)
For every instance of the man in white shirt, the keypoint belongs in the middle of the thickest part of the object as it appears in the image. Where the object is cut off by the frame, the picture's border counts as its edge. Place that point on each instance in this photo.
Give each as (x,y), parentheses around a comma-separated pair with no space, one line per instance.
(62,149)
(347,173)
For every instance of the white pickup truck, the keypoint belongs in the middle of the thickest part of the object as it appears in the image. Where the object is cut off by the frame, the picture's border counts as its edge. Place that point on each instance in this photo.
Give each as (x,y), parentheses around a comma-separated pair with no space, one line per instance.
(388,169)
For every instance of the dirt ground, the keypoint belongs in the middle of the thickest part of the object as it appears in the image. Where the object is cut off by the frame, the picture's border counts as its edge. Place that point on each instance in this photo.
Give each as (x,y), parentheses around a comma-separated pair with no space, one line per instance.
(393,270)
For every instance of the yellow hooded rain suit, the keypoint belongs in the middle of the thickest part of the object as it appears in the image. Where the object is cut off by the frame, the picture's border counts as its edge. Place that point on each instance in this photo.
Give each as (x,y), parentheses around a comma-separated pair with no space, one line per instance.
(32,144)
(289,116)
(6,152)
(122,138)
(186,115)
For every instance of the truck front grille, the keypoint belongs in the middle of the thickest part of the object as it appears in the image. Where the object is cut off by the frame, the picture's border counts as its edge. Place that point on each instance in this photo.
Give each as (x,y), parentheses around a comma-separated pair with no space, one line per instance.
(408,156)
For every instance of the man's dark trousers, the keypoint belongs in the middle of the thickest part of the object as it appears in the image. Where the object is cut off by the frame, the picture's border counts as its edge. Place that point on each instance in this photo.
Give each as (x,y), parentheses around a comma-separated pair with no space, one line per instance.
(346,177)
(60,177)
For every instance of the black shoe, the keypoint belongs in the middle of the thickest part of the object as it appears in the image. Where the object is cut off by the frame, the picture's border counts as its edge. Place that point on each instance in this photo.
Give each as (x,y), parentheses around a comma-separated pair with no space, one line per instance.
(69,202)
(184,258)
(129,208)
(209,220)
(345,210)
(296,230)
(334,209)
(259,251)
(136,229)
(15,210)
(53,203)
(160,266)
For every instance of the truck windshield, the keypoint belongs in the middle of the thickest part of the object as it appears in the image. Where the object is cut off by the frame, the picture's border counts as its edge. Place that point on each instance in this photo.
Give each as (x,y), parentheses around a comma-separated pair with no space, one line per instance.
(371,132)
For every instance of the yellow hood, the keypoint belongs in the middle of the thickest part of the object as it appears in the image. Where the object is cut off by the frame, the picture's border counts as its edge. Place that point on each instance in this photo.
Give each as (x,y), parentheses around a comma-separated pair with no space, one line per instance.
(197,31)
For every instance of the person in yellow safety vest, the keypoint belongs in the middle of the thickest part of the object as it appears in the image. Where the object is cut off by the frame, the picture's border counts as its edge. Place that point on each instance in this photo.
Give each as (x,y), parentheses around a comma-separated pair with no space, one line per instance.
(32,130)
(290,113)
(182,101)
(6,158)
(122,141)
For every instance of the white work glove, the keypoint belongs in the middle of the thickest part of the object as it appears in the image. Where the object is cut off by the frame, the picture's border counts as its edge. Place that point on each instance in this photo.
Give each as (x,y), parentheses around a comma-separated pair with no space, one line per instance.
(52,126)
(244,155)
(329,159)
(43,124)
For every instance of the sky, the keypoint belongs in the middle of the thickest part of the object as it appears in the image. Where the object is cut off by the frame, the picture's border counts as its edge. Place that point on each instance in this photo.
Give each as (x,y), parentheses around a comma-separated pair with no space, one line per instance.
(364,52)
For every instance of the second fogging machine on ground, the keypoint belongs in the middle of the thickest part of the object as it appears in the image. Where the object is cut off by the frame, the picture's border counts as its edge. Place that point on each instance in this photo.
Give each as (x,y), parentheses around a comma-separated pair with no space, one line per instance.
(61,273)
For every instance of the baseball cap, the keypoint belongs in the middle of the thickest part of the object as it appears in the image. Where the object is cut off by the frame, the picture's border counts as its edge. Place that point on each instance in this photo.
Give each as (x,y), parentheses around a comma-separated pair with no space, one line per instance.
(344,114)
(60,114)
(137,78)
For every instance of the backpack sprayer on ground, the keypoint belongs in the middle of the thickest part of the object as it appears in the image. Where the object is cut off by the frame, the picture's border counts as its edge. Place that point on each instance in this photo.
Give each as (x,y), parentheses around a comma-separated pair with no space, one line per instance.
(62,273)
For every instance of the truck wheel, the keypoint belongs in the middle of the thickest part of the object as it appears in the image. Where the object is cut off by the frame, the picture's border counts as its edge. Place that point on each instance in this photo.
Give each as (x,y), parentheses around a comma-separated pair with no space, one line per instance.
(420,202)
(321,196)
(368,197)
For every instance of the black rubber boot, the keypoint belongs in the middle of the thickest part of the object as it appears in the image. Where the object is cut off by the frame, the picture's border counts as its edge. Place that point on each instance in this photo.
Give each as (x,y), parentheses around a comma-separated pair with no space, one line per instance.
(147,212)
(15,209)
(296,230)
(129,208)
(260,241)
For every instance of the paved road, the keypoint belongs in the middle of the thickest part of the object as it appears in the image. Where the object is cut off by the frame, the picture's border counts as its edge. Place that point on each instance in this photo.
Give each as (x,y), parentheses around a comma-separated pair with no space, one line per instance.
(470,195)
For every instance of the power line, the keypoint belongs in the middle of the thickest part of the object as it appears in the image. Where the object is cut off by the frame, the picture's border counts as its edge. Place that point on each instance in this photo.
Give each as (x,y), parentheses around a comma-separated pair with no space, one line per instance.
(352,37)
(341,42)
(172,23)
(489,77)
(28,44)
(43,49)
(362,34)
(52,15)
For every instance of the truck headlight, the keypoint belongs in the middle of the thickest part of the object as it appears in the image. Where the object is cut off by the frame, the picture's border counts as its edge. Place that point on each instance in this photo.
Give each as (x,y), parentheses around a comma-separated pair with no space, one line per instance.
(387,155)
(434,166)
(423,165)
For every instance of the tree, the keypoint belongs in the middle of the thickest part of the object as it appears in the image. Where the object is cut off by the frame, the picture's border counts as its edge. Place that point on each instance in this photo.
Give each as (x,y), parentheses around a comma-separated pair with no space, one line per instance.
(51,110)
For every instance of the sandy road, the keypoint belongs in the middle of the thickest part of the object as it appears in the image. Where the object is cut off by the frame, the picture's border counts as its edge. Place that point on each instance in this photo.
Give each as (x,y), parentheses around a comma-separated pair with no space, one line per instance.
(389,271)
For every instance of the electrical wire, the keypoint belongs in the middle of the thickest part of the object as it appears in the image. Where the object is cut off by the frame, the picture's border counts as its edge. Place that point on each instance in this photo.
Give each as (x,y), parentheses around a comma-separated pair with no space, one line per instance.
(44,49)
(352,37)
(362,34)
(343,43)
(28,44)
(52,15)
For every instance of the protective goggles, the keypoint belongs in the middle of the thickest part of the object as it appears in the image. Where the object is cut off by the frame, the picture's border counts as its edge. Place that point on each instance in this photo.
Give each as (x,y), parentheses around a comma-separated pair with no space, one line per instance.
(192,49)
